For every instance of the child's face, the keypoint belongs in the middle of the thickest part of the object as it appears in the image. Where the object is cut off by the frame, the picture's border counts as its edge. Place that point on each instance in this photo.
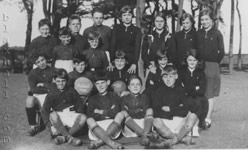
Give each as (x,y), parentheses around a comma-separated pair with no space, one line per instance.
(162,62)
(135,86)
(120,63)
(75,26)
(187,24)
(41,62)
(60,83)
(102,85)
(192,62)
(170,79)
(206,22)
(159,23)
(44,31)
(97,18)
(65,39)
(94,43)
(80,67)
(126,18)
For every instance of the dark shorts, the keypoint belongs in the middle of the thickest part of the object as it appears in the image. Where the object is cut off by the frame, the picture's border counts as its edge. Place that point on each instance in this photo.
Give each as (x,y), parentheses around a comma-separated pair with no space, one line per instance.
(212,71)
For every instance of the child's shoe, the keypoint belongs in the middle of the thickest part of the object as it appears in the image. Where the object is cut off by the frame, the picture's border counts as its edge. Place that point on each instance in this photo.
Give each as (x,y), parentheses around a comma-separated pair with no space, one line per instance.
(60,140)
(33,130)
(74,141)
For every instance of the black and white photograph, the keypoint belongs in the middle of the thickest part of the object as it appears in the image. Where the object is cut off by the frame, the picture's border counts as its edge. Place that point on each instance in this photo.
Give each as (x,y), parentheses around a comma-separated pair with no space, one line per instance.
(123,74)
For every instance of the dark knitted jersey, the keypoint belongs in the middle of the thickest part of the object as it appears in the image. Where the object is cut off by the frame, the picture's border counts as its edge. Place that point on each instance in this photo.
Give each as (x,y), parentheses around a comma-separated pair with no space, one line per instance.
(44,76)
(183,42)
(190,80)
(58,101)
(149,50)
(79,42)
(174,98)
(64,52)
(135,106)
(109,103)
(210,45)
(121,75)
(127,39)
(96,58)
(42,45)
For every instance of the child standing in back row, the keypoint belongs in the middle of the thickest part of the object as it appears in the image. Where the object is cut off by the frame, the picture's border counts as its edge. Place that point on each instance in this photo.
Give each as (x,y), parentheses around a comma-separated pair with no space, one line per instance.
(64,53)
(96,58)
(211,48)
(43,43)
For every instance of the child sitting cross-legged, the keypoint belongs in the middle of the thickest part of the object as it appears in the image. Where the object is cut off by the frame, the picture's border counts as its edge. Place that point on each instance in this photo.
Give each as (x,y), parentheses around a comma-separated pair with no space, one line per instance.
(104,119)
(137,111)
(64,120)
(171,121)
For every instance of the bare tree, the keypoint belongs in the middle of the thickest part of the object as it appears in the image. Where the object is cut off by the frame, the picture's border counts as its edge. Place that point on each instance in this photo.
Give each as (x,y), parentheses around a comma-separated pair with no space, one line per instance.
(180,12)
(231,38)
(29,7)
(240,37)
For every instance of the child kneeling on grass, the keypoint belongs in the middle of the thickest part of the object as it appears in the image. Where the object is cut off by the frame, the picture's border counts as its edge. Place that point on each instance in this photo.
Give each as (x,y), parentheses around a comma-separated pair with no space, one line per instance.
(64,120)
(104,119)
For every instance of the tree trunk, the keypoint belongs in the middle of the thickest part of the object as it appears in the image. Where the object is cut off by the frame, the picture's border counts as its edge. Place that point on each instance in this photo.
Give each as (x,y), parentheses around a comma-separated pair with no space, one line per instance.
(231,38)
(218,7)
(173,17)
(29,8)
(240,37)
(140,7)
(180,12)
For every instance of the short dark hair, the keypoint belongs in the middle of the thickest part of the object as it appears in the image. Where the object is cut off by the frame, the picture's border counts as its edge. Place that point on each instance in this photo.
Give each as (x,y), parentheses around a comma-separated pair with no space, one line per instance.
(37,55)
(125,9)
(79,59)
(169,69)
(43,22)
(160,54)
(74,17)
(97,9)
(120,54)
(100,75)
(185,16)
(60,73)
(134,77)
(196,55)
(64,31)
(93,35)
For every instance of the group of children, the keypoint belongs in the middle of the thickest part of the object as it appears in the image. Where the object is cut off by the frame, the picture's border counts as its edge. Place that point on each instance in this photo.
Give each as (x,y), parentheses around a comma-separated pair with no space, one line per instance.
(92,81)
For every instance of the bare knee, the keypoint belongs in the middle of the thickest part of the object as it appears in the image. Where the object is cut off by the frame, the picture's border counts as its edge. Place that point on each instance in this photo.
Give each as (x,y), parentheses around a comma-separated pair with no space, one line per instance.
(30,101)
(91,123)
(124,113)
(54,117)
(157,122)
(149,112)
(192,119)
(82,119)
(119,117)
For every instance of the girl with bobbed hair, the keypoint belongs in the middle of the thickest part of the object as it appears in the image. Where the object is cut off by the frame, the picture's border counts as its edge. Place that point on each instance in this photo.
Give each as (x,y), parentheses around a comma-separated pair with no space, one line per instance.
(159,38)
